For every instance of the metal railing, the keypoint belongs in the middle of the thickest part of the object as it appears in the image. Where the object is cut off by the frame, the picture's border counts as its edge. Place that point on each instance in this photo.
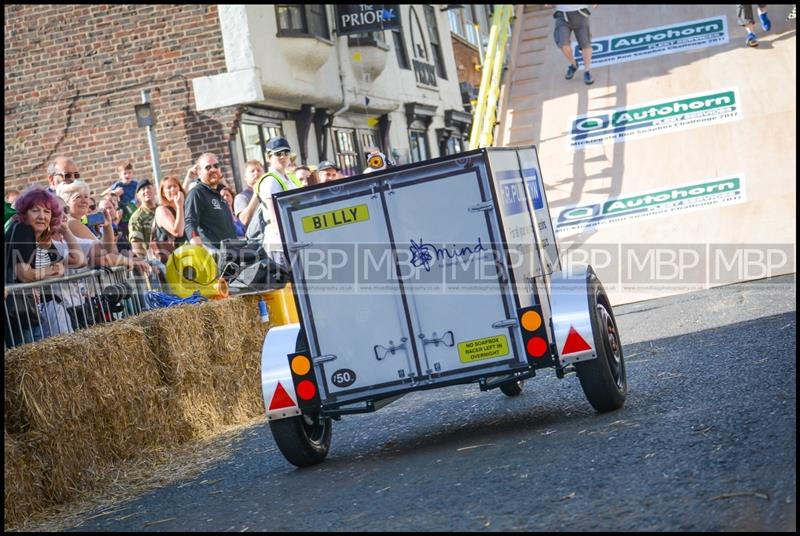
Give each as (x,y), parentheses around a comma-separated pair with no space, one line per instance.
(41,309)
(484,119)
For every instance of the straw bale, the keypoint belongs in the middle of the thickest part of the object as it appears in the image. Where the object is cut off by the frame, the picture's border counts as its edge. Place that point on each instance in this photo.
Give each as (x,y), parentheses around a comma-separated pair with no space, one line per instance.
(23,482)
(77,404)
(210,356)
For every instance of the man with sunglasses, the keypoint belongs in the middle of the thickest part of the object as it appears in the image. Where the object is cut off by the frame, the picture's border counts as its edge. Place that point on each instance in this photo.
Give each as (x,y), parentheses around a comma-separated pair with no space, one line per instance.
(61,169)
(208,219)
(277,179)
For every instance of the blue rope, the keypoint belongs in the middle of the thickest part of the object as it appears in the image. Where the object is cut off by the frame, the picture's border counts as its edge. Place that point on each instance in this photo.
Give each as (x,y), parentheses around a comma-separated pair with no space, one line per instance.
(162,299)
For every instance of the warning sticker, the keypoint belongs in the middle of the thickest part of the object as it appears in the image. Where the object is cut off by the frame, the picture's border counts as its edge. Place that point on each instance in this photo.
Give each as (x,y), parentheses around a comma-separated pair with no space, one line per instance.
(335,218)
(478,349)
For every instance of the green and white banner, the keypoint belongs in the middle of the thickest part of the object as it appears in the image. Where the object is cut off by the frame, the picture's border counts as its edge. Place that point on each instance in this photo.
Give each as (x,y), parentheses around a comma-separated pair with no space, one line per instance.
(653,42)
(653,118)
(666,202)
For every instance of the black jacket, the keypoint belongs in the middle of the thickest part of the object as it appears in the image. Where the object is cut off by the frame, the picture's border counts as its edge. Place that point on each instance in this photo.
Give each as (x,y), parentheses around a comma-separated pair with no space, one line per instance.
(208,216)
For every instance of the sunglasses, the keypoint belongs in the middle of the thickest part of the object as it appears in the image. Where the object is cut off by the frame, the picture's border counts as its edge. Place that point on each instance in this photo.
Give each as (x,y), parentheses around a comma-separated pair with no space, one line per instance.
(75,175)
(281,153)
(210,166)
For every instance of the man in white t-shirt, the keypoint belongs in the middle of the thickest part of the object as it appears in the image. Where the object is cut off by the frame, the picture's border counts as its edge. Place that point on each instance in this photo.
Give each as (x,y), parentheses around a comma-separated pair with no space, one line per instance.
(574,18)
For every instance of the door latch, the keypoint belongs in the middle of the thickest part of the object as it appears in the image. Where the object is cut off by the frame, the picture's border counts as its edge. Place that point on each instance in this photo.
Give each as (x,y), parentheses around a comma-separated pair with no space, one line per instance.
(381,351)
(446,339)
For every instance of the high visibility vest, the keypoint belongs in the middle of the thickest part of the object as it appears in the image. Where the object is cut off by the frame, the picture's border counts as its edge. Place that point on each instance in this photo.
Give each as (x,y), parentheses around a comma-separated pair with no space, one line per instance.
(281,181)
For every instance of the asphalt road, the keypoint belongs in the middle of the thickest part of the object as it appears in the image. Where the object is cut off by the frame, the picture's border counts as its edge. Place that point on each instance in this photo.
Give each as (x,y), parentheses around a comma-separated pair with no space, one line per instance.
(705,442)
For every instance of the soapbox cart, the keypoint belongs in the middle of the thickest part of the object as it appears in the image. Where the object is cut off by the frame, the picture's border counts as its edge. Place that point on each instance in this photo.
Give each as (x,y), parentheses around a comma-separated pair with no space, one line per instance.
(422,276)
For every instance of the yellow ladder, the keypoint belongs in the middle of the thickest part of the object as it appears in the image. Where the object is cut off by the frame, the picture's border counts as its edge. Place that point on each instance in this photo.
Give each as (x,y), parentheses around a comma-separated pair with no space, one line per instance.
(485,113)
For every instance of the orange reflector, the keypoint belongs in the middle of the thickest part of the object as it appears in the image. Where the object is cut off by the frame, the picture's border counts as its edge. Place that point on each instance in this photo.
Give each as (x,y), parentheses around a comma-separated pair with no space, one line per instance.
(281,399)
(306,390)
(531,321)
(301,365)
(537,346)
(574,343)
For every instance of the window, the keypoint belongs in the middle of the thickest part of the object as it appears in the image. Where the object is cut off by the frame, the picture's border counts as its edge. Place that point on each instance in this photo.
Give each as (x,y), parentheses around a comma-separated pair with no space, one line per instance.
(400,49)
(302,20)
(344,144)
(368,39)
(462,24)
(419,145)
(456,22)
(433,36)
(255,137)
(455,145)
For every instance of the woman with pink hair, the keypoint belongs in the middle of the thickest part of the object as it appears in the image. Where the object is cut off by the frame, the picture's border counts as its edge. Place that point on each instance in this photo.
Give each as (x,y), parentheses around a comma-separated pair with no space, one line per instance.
(31,256)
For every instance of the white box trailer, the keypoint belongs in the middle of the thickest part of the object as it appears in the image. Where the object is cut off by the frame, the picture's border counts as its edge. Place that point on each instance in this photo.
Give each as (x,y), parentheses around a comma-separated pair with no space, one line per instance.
(426,275)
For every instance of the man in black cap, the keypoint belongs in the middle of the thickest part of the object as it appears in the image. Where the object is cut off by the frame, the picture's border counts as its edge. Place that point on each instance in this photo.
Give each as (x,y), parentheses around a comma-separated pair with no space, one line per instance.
(328,171)
(208,218)
(141,221)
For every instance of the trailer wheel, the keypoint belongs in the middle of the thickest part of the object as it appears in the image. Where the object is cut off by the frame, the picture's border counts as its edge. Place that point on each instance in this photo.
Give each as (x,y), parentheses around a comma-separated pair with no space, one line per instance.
(603,379)
(303,440)
(513,388)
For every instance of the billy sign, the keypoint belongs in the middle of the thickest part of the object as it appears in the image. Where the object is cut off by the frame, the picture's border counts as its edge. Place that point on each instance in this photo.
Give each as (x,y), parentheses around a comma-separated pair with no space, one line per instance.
(360,18)
(657,41)
(653,118)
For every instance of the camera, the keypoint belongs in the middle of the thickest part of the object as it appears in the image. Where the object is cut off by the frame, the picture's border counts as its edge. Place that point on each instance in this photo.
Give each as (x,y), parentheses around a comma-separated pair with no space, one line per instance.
(114,294)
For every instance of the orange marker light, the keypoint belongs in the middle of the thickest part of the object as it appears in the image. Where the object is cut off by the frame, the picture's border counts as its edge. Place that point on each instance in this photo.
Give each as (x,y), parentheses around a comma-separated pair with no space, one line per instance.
(537,347)
(301,365)
(531,321)
(306,390)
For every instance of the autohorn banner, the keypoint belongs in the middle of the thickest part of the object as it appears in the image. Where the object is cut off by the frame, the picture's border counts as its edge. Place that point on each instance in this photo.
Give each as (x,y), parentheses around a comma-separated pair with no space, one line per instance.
(361,18)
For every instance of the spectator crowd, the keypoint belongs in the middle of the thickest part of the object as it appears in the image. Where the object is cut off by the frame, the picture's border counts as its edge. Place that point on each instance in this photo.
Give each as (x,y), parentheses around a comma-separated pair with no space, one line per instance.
(59,228)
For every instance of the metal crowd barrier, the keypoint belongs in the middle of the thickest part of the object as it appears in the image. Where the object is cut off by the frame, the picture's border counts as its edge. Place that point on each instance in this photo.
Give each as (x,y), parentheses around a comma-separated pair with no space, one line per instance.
(71,303)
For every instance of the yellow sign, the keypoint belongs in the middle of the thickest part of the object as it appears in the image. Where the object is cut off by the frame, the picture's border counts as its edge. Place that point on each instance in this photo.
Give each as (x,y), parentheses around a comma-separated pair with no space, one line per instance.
(478,349)
(335,218)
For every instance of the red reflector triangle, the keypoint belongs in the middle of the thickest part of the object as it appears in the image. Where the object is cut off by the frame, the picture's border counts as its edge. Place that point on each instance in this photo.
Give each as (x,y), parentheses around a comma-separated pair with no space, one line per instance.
(281,399)
(574,343)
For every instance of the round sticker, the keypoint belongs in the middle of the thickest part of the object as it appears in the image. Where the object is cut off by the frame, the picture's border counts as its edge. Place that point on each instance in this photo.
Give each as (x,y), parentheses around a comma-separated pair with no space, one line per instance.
(343,378)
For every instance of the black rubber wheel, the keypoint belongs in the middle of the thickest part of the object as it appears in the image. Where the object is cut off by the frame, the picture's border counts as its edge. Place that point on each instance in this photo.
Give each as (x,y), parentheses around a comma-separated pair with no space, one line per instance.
(303,440)
(513,388)
(603,379)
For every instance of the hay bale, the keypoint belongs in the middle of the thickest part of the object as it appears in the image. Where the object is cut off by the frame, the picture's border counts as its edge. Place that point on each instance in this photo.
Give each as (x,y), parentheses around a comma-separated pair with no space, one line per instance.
(200,353)
(83,401)
(23,481)
(238,336)
(77,404)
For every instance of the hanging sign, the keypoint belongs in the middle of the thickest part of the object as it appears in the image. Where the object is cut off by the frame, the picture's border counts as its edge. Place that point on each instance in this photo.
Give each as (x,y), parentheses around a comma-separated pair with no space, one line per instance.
(362,18)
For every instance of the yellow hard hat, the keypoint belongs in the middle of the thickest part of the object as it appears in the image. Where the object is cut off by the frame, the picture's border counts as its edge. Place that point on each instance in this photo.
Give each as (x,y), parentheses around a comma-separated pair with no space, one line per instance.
(192,268)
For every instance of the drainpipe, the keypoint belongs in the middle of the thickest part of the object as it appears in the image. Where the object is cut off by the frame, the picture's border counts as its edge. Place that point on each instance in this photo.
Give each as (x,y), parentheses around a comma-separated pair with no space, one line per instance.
(341,44)
(323,151)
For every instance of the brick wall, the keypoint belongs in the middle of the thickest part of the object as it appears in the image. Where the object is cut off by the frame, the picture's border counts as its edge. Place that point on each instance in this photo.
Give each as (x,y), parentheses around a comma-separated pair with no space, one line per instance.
(466,59)
(73,74)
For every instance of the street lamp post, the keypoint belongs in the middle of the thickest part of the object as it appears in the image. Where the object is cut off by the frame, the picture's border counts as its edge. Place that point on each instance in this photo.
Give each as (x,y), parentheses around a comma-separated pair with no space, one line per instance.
(146,118)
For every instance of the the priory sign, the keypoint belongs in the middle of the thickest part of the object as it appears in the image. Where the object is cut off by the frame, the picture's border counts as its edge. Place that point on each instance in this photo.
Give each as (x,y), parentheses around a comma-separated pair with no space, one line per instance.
(362,18)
